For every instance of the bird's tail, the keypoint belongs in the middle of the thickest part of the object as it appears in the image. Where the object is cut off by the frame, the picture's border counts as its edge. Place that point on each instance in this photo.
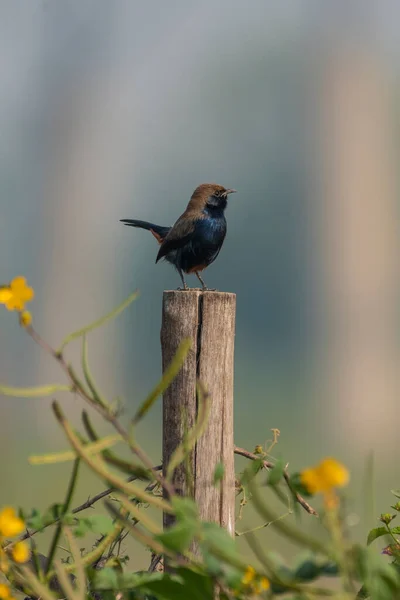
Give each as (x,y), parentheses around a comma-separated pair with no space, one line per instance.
(158,231)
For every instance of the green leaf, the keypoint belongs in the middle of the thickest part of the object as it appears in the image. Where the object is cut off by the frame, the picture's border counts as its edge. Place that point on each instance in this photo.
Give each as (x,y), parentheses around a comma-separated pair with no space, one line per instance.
(92,449)
(190,438)
(39,520)
(97,395)
(197,582)
(330,569)
(184,508)
(255,467)
(181,588)
(213,565)
(111,315)
(308,571)
(362,593)
(379,532)
(375,534)
(380,579)
(311,569)
(396,493)
(106,579)
(185,584)
(232,576)
(178,537)
(126,466)
(170,589)
(34,392)
(276,474)
(169,375)
(297,486)
(285,576)
(219,473)
(219,543)
(35,520)
(95,524)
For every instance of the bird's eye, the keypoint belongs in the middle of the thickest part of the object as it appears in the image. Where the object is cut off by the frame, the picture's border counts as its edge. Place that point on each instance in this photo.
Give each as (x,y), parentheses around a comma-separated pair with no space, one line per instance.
(217,193)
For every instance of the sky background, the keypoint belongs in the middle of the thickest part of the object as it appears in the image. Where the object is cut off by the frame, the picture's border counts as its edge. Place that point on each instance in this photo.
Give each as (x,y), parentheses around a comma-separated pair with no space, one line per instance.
(113,110)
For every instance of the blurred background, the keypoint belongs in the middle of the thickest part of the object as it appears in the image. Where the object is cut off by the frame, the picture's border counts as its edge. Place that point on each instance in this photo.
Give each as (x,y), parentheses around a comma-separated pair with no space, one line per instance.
(113,110)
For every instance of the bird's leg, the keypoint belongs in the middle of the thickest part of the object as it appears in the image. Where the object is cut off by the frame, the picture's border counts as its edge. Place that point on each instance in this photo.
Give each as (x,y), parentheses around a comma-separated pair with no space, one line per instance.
(185,287)
(205,288)
(201,280)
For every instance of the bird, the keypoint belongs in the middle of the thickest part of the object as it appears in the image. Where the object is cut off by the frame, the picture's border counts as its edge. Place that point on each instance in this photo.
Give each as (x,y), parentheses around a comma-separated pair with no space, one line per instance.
(196,238)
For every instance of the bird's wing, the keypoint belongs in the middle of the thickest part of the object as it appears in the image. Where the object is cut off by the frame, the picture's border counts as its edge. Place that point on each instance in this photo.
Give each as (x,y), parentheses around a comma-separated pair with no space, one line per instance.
(178,236)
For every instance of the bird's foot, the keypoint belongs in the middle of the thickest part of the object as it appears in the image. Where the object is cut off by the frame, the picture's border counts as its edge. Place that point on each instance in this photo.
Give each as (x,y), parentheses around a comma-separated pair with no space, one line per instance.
(183,289)
(207,289)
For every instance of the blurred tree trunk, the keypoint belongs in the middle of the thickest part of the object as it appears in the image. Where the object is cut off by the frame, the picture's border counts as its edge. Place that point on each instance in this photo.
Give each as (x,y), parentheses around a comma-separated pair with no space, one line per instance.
(360,249)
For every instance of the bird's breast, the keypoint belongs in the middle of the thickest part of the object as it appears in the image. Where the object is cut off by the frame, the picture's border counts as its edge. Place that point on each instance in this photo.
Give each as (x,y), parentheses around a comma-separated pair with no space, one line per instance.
(212,230)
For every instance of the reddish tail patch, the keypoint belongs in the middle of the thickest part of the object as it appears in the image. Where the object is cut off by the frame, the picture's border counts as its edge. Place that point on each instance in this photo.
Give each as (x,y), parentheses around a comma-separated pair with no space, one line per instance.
(197,269)
(157,236)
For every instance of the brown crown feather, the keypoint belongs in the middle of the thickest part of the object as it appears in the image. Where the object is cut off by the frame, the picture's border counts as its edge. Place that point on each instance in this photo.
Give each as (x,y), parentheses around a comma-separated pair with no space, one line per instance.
(201,195)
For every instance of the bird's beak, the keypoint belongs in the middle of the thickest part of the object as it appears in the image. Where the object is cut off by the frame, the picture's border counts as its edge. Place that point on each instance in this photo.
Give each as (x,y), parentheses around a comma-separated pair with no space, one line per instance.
(230,192)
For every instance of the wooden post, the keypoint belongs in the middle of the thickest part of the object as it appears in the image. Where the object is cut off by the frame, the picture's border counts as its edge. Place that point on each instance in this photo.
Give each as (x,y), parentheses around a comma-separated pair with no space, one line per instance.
(208,319)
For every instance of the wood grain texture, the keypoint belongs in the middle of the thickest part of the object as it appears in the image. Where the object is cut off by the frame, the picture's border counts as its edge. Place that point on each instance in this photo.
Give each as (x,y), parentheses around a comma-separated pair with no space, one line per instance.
(215,370)
(179,321)
(209,320)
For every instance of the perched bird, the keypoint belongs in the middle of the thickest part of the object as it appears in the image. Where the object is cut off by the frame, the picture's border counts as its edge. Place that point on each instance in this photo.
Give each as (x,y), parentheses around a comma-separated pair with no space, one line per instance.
(195,240)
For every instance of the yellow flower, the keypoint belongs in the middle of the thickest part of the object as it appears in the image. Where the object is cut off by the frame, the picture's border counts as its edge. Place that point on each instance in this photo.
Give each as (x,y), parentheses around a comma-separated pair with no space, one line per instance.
(261,586)
(5,591)
(21,552)
(264,584)
(10,524)
(328,474)
(5,294)
(25,318)
(16,294)
(249,575)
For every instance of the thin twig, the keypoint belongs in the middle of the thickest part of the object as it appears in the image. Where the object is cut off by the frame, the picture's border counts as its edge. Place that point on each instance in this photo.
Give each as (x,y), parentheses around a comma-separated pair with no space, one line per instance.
(269,465)
(263,526)
(88,504)
(90,501)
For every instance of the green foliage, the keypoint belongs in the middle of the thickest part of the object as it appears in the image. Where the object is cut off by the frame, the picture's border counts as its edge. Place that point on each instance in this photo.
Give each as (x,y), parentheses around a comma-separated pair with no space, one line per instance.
(185,509)
(297,486)
(204,561)
(162,585)
(276,474)
(380,580)
(94,523)
(219,473)
(311,569)
(178,537)
(168,377)
(379,532)
(39,520)
(34,391)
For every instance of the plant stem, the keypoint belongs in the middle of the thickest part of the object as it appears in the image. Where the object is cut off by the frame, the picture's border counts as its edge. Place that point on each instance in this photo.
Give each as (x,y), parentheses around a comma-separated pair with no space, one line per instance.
(269,465)
(67,504)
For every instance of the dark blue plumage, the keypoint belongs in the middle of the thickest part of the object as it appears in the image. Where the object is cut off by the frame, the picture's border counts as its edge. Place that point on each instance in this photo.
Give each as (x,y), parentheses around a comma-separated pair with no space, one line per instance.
(195,240)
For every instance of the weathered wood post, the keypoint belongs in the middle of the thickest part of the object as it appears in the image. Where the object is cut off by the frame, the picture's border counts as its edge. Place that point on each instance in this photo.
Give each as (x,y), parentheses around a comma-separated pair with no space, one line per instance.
(208,319)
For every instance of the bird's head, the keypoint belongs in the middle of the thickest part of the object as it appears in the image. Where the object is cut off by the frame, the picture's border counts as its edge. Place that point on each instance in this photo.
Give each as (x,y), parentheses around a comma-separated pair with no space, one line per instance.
(210,195)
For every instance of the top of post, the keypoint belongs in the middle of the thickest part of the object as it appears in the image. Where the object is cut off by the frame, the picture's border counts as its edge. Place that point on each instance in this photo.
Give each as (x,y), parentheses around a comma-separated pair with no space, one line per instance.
(197,292)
